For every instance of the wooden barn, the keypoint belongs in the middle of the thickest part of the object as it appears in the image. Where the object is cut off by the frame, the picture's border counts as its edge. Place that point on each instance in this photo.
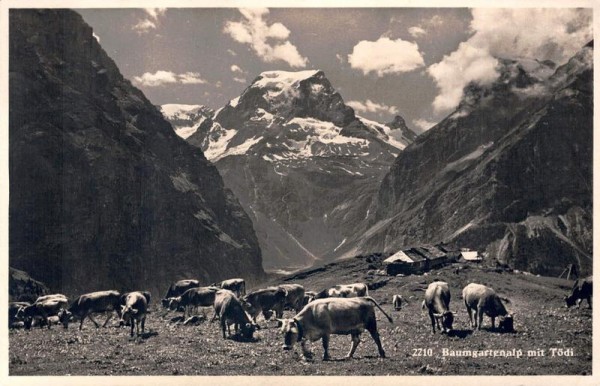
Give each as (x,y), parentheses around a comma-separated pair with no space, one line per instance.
(416,260)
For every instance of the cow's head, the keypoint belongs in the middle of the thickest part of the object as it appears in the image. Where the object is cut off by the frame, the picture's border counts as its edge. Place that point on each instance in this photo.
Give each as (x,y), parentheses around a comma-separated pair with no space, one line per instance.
(174,303)
(248,307)
(247,330)
(64,316)
(291,332)
(447,318)
(126,314)
(506,323)
(570,300)
(165,302)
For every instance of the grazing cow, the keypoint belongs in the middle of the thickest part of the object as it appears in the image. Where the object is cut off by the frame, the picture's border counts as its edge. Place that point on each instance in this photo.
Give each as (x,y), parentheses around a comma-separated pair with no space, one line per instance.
(237,286)
(582,289)
(323,317)
(437,301)
(484,300)
(295,296)
(344,291)
(397,302)
(146,294)
(230,311)
(194,297)
(178,288)
(265,300)
(134,311)
(14,309)
(91,303)
(309,296)
(43,311)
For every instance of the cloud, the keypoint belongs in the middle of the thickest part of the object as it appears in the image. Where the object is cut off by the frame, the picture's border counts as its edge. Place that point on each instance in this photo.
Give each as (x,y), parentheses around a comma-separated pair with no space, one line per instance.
(269,42)
(552,33)
(372,107)
(385,56)
(160,78)
(231,52)
(236,68)
(340,58)
(416,32)
(150,22)
(240,80)
(423,124)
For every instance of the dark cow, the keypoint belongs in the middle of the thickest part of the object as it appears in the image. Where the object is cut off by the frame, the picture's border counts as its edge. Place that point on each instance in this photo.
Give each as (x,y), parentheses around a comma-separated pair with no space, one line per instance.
(134,310)
(91,303)
(194,298)
(397,302)
(582,289)
(483,300)
(43,311)
(178,288)
(230,311)
(265,300)
(295,296)
(340,316)
(14,309)
(437,301)
(344,291)
(237,286)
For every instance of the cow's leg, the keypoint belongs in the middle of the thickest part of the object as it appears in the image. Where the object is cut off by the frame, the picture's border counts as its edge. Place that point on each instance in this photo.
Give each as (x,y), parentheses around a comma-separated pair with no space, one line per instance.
(432,321)
(325,347)
(223,326)
(110,315)
(132,322)
(589,302)
(372,328)
(355,342)
(479,317)
(493,322)
(305,351)
(93,320)
(143,323)
(81,323)
(470,316)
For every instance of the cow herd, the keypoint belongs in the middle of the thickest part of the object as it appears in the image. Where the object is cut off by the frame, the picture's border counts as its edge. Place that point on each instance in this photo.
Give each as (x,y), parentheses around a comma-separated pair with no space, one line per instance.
(339,310)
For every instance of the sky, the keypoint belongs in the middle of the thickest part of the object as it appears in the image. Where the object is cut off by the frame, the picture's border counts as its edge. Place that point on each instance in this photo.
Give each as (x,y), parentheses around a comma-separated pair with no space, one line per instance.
(412,62)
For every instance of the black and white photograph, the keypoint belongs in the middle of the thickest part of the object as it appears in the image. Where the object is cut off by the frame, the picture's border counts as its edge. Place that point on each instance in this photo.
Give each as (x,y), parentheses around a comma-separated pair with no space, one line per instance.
(298,190)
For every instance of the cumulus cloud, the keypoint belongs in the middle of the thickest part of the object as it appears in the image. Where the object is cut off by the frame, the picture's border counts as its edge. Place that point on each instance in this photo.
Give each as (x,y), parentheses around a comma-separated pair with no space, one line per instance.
(236,68)
(416,32)
(160,78)
(369,106)
(269,42)
(423,124)
(385,56)
(240,80)
(150,22)
(551,33)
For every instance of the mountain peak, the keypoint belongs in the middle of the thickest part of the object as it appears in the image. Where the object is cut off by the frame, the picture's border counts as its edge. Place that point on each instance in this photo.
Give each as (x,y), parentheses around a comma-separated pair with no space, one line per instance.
(281,79)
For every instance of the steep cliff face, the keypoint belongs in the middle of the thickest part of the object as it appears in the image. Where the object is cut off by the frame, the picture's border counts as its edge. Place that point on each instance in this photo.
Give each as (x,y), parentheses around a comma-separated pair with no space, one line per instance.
(303,165)
(509,172)
(103,193)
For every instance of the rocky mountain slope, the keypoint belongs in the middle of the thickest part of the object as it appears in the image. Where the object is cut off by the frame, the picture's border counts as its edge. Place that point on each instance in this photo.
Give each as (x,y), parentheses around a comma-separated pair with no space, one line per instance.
(103,193)
(508,173)
(303,165)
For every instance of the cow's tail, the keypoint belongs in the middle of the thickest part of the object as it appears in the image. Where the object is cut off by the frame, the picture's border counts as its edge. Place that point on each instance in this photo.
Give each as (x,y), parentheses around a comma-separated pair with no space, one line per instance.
(380,309)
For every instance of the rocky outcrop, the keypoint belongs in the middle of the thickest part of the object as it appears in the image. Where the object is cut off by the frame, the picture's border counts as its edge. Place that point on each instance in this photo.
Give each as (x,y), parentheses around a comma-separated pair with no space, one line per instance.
(103,193)
(23,288)
(508,173)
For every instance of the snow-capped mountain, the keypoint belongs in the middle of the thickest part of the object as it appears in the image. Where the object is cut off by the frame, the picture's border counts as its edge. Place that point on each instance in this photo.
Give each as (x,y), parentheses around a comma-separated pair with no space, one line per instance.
(301,162)
(509,173)
(186,119)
